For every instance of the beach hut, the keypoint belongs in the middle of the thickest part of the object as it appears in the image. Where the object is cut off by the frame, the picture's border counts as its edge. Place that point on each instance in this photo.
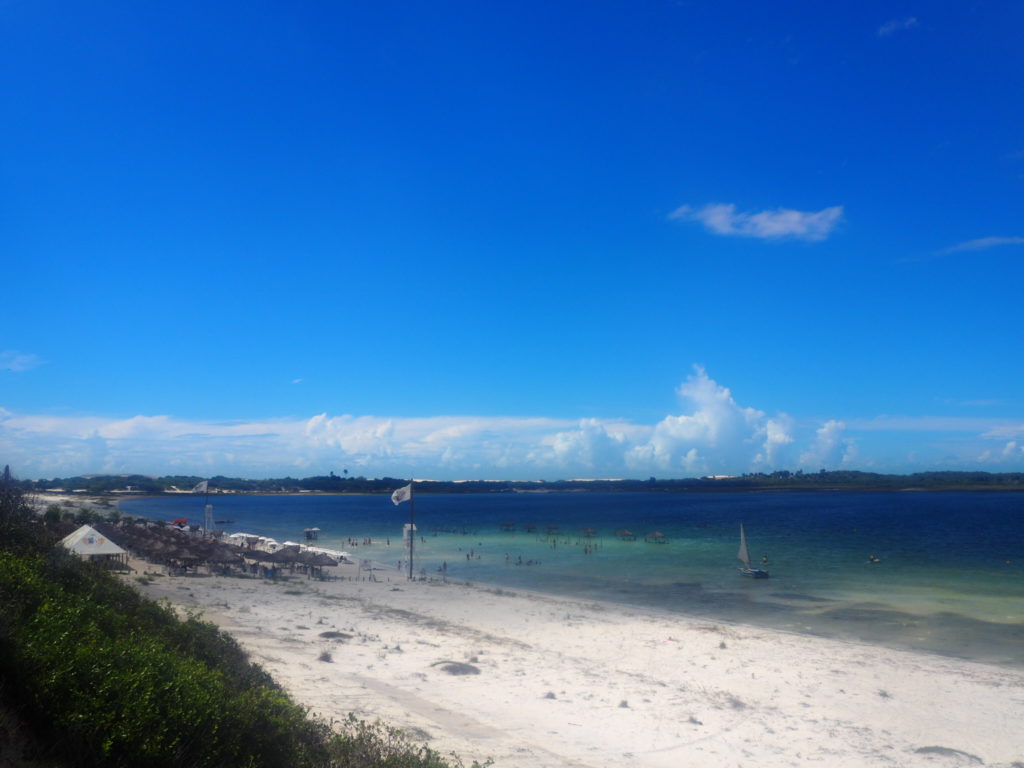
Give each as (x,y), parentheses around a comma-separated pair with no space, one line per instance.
(626,535)
(655,537)
(90,544)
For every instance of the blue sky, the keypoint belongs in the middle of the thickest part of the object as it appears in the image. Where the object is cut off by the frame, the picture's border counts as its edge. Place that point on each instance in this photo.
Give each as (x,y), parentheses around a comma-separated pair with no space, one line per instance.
(511,240)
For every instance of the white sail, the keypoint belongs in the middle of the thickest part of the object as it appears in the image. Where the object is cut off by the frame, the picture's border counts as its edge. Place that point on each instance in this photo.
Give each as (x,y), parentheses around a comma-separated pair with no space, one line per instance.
(743,555)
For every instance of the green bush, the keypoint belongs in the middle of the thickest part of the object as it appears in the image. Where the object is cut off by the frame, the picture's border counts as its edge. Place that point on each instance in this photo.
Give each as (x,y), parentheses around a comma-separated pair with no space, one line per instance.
(92,673)
(119,680)
(360,744)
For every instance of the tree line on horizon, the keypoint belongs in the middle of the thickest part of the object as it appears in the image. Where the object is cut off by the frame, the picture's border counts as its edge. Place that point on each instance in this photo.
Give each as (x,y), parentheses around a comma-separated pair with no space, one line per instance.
(332,483)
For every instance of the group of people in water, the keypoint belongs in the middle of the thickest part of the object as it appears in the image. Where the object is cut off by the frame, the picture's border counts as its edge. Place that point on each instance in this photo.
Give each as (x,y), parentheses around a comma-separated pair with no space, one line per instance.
(589,548)
(367,542)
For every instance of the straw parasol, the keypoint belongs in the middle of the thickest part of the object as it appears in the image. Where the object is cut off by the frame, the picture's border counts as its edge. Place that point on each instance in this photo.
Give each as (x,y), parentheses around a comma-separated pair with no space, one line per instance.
(318,560)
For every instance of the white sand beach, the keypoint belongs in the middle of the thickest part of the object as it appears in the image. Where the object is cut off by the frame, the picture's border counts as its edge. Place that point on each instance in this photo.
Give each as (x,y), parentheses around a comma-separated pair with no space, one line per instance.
(561,682)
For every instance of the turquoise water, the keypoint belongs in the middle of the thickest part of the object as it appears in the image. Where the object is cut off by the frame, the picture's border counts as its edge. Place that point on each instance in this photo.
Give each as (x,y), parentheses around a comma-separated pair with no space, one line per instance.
(950,577)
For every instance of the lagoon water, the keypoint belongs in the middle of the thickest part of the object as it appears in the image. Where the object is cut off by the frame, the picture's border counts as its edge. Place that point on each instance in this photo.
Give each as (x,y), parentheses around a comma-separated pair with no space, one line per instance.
(950,578)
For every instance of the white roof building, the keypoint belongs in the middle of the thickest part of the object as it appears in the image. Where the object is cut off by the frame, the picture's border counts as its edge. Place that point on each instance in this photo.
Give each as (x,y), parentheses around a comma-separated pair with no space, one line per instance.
(87,541)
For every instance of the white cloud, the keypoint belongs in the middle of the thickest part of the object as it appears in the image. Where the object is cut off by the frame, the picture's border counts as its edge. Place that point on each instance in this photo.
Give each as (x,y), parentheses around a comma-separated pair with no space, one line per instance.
(831,448)
(711,433)
(12,360)
(782,223)
(1005,431)
(983,243)
(1011,453)
(716,435)
(778,434)
(893,26)
(719,435)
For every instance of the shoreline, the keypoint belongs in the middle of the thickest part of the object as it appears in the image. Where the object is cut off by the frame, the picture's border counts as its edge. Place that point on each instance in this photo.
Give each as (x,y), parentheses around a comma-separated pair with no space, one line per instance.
(937,626)
(556,681)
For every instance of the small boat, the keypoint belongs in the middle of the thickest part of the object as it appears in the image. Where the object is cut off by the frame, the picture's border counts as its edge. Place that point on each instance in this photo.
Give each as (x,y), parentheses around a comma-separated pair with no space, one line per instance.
(744,557)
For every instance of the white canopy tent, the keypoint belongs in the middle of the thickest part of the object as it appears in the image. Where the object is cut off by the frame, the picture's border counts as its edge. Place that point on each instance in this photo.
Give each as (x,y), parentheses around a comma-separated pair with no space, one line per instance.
(90,544)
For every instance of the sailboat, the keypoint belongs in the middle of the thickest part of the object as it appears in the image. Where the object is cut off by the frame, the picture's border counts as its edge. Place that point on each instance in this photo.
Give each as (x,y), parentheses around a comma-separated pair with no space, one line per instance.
(744,557)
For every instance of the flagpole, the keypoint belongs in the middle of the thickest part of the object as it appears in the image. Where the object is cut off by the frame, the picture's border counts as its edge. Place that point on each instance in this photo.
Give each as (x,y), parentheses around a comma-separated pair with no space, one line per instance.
(412,525)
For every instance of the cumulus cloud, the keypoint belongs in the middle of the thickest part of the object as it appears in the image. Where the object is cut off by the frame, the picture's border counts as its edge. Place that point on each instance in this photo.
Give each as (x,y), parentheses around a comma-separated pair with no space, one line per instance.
(718,436)
(594,447)
(1011,453)
(830,448)
(983,243)
(12,360)
(893,26)
(714,435)
(782,223)
(710,433)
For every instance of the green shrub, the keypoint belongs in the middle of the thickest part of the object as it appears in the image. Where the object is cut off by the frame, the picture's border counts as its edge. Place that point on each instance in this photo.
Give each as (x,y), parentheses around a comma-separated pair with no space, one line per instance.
(92,673)
(360,744)
(120,680)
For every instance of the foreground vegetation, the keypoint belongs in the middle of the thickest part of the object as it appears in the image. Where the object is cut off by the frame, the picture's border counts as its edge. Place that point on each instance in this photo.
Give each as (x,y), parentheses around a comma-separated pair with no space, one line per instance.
(92,673)
(757,481)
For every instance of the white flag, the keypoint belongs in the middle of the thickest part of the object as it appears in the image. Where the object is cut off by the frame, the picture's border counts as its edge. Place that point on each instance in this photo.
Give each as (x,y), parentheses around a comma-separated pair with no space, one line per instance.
(200,487)
(402,494)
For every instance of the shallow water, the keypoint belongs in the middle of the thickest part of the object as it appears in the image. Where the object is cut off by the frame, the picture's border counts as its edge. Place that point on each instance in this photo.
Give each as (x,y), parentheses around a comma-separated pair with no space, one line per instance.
(950,577)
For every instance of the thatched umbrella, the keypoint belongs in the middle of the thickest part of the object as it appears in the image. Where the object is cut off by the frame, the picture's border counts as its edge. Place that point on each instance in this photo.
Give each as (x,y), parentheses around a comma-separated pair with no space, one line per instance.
(259,555)
(222,554)
(290,554)
(321,560)
(182,556)
(656,537)
(626,535)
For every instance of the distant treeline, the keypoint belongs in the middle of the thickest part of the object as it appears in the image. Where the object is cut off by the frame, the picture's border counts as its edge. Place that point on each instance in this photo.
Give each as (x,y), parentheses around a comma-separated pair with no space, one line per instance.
(760,481)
